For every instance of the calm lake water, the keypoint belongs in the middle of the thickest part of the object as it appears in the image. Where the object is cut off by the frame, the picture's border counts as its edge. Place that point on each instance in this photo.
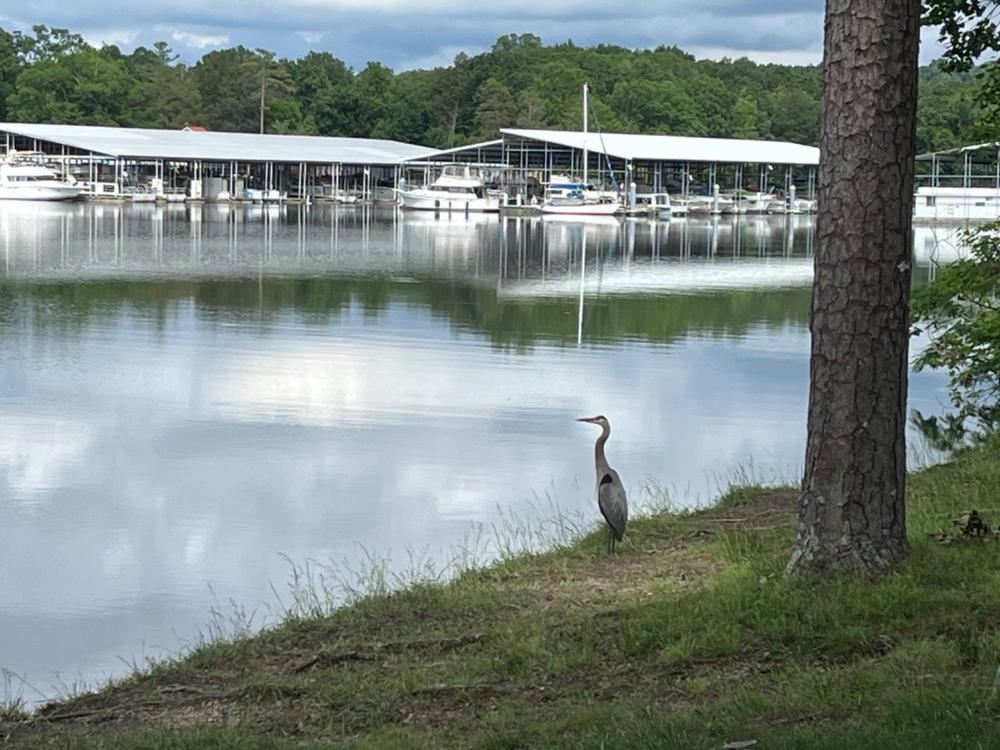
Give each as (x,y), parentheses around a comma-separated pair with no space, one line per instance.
(194,398)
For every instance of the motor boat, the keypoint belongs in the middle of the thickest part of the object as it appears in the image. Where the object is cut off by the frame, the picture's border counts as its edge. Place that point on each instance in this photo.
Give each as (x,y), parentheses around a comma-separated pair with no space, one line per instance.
(458,188)
(25,177)
(563,196)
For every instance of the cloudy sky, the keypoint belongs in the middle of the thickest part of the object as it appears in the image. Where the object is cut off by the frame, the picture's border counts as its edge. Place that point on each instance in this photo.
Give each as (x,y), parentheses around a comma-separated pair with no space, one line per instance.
(408,34)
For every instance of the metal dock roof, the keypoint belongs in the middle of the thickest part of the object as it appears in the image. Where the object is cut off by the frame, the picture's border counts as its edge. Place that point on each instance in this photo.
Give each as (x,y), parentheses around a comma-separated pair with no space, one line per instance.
(677,148)
(145,143)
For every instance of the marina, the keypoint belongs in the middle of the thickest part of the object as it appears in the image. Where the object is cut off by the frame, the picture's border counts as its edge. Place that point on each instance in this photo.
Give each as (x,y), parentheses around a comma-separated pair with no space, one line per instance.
(524,172)
(195,165)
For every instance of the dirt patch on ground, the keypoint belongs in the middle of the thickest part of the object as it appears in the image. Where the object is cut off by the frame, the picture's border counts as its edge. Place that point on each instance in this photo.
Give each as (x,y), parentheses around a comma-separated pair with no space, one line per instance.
(666,558)
(209,713)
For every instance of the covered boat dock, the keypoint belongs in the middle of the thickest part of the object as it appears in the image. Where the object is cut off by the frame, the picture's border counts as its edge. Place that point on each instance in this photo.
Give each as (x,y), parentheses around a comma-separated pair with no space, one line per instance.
(958,184)
(678,165)
(195,164)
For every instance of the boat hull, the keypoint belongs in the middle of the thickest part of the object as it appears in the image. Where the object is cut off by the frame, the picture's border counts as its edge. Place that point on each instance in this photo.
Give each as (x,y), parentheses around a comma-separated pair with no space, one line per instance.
(582,209)
(422,201)
(40,192)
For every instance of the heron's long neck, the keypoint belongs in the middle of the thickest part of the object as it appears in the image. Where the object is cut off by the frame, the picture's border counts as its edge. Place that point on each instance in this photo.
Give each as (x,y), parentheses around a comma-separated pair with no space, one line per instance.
(601,461)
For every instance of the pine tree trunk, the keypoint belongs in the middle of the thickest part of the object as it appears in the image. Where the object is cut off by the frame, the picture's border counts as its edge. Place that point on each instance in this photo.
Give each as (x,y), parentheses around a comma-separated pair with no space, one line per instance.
(851,507)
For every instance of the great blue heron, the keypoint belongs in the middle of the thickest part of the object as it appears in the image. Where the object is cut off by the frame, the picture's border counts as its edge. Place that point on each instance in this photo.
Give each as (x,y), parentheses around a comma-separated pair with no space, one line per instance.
(610,492)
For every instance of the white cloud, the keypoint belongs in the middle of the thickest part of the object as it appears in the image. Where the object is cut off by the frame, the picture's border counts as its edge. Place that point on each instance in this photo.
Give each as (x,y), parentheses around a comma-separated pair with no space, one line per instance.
(441,58)
(118,37)
(446,8)
(199,41)
(312,37)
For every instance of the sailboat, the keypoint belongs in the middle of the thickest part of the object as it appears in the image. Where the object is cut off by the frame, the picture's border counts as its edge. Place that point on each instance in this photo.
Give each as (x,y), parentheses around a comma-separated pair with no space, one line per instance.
(564,196)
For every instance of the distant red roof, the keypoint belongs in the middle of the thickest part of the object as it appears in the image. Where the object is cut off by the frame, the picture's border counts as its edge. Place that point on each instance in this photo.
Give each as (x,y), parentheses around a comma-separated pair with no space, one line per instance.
(195,128)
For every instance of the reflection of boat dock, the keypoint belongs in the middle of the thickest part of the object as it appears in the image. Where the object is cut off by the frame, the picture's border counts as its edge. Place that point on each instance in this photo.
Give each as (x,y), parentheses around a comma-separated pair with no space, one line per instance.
(222,239)
(610,220)
(511,209)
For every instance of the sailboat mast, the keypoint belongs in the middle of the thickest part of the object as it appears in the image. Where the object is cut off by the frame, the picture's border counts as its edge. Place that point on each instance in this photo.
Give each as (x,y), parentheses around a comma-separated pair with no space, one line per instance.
(584,136)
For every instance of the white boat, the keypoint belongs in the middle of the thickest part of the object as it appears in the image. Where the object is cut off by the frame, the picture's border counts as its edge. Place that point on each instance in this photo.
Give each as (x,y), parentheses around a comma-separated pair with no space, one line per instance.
(755,202)
(25,177)
(792,206)
(679,206)
(653,205)
(564,196)
(701,204)
(458,188)
(746,202)
(255,196)
(956,204)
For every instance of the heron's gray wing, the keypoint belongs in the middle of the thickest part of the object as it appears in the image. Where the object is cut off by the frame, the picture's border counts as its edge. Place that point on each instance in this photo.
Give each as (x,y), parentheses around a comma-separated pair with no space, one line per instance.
(612,502)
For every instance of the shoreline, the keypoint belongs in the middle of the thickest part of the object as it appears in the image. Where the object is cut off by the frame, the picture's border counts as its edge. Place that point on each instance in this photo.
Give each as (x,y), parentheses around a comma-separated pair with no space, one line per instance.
(691,637)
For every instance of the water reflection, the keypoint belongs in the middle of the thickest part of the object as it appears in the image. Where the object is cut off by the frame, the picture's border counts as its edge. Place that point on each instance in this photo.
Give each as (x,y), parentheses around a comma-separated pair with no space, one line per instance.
(51,241)
(94,240)
(188,392)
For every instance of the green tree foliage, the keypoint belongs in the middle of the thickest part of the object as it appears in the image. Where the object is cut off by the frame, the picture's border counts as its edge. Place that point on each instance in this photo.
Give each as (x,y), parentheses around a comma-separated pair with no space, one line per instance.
(405,111)
(277,110)
(90,87)
(794,114)
(47,44)
(530,110)
(497,108)
(511,59)
(53,75)
(378,98)
(173,97)
(324,90)
(450,99)
(947,112)
(959,311)
(10,66)
(969,29)
(228,85)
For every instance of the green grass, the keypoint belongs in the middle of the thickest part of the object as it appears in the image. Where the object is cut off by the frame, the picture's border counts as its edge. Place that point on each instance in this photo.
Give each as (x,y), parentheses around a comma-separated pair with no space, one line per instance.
(691,638)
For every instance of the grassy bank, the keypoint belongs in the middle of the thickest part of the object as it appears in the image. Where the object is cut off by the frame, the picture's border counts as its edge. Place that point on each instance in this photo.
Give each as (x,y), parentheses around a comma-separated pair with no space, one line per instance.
(690,638)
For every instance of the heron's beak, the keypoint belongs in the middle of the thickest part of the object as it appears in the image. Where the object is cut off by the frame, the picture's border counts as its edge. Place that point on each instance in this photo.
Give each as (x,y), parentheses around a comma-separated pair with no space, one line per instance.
(587,419)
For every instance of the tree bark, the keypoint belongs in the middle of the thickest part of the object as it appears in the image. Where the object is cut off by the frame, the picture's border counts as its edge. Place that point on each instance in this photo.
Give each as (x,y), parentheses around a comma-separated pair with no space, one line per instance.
(852,506)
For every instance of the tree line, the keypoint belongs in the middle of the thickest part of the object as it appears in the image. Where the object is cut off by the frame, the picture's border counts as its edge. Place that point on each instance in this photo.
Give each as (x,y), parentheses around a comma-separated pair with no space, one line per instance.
(54,75)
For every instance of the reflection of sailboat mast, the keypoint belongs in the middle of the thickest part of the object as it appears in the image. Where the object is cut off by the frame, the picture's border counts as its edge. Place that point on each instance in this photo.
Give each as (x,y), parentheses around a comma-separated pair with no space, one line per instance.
(583,273)
(300,236)
(585,155)
(232,218)
(335,234)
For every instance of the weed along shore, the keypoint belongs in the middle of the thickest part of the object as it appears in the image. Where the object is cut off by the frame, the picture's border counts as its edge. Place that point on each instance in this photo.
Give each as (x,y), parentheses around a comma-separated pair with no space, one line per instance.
(689,637)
